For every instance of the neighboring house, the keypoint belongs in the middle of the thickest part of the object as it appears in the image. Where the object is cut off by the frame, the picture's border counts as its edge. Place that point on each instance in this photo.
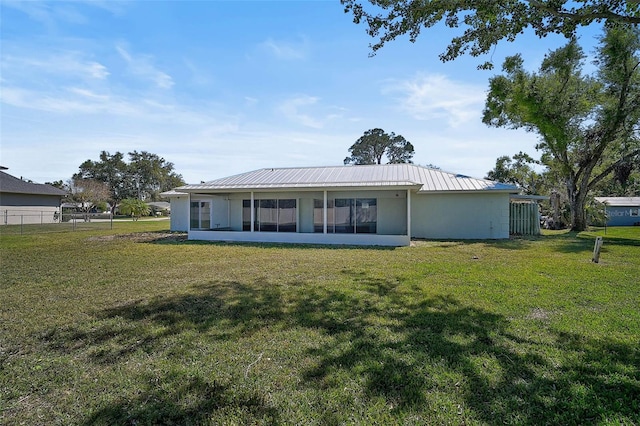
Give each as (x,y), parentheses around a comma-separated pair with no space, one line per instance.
(621,211)
(361,205)
(24,202)
(159,207)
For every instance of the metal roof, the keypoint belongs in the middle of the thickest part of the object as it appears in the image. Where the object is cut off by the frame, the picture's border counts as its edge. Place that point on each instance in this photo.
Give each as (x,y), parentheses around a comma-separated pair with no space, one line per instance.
(172,193)
(10,184)
(370,176)
(620,201)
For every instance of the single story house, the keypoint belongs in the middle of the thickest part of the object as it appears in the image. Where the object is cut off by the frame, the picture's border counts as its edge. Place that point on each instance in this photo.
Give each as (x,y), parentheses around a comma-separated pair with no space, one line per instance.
(23,202)
(361,205)
(621,211)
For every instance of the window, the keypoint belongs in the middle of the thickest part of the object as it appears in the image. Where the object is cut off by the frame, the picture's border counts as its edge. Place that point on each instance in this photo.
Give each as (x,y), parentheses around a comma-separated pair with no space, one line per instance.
(347,215)
(246,215)
(318,216)
(200,215)
(366,215)
(270,215)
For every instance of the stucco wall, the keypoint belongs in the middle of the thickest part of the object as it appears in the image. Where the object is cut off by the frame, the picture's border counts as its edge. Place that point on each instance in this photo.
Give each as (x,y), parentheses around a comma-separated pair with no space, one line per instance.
(439,216)
(460,216)
(180,213)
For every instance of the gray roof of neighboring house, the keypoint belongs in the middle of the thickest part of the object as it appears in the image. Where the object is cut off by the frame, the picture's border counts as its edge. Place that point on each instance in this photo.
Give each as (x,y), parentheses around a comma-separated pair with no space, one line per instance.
(14,185)
(172,193)
(159,204)
(388,175)
(620,201)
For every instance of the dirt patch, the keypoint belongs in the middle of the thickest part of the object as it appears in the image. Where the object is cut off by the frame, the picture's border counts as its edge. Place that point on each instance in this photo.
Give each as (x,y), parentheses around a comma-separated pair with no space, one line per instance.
(145,237)
(539,314)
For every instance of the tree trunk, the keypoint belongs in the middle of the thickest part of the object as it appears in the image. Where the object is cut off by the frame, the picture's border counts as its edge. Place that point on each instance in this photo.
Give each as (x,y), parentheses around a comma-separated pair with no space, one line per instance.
(577,201)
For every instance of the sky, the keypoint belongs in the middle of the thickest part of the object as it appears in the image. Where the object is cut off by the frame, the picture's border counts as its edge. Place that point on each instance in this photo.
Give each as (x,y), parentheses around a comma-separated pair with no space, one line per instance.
(223,87)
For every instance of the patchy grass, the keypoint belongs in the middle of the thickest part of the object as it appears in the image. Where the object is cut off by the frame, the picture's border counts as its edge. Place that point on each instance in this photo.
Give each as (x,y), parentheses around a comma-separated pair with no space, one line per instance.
(138,326)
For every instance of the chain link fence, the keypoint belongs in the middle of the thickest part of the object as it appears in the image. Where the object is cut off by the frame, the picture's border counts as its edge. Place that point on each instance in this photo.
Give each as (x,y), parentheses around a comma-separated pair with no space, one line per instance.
(34,222)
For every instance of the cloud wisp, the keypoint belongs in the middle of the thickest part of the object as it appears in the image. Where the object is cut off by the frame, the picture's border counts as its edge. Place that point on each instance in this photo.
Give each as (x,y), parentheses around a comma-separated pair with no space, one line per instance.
(142,66)
(285,50)
(436,97)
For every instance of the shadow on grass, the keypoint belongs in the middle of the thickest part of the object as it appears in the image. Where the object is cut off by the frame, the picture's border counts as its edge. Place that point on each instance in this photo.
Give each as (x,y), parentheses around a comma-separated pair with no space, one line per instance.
(419,355)
(179,401)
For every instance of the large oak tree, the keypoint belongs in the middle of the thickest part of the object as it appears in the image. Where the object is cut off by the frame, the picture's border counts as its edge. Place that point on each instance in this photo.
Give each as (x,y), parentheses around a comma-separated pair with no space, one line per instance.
(483,23)
(589,125)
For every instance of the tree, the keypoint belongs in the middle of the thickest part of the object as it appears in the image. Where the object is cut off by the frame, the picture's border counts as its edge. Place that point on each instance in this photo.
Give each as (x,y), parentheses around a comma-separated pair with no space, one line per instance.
(113,171)
(588,125)
(485,22)
(134,207)
(88,193)
(517,171)
(144,177)
(375,144)
(152,174)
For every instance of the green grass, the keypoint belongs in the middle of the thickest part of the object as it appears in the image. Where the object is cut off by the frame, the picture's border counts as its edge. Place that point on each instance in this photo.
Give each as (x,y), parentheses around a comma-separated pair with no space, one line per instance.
(117,327)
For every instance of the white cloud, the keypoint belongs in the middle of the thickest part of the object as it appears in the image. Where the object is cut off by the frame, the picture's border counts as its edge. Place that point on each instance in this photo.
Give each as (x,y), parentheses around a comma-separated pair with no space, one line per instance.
(285,50)
(142,66)
(69,64)
(433,96)
(291,107)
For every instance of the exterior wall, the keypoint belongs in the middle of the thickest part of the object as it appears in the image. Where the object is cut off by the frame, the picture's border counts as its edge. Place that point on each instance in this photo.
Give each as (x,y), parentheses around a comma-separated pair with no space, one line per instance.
(31,200)
(460,215)
(28,215)
(180,213)
(28,208)
(623,216)
(465,215)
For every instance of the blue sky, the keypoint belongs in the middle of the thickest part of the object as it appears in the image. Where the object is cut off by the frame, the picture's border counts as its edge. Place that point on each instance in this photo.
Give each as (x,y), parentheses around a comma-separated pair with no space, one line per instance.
(220,88)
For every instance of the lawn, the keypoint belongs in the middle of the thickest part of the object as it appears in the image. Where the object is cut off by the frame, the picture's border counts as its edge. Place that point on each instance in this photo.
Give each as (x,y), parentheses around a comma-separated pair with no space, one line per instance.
(137,326)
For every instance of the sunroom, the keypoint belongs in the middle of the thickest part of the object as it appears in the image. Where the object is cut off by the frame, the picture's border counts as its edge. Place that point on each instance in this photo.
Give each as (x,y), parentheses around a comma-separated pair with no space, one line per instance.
(338,216)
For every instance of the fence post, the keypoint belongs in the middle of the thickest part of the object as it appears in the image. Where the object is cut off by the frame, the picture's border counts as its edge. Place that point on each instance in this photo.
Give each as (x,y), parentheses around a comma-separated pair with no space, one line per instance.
(21,223)
(596,250)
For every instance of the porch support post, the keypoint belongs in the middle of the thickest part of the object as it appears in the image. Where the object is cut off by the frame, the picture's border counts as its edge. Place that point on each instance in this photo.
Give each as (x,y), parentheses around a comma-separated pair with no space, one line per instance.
(409,213)
(324,213)
(188,210)
(253,213)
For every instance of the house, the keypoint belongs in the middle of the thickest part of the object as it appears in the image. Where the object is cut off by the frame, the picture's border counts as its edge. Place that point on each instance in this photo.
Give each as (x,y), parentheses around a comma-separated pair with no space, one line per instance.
(621,211)
(361,205)
(23,202)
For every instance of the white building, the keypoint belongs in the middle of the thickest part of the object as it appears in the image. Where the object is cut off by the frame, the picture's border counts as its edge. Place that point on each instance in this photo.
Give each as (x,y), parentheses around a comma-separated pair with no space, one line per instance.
(360,205)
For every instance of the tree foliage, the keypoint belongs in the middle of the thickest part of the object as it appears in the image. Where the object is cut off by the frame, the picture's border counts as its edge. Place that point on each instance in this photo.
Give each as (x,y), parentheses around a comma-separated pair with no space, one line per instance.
(589,125)
(485,22)
(375,144)
(145,176)
(88,193)
(134,207)
(517,170)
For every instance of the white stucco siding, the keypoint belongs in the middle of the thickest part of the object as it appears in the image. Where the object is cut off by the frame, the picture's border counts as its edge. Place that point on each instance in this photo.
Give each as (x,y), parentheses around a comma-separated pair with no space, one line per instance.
(180,213)
(465,215)
(392,215)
